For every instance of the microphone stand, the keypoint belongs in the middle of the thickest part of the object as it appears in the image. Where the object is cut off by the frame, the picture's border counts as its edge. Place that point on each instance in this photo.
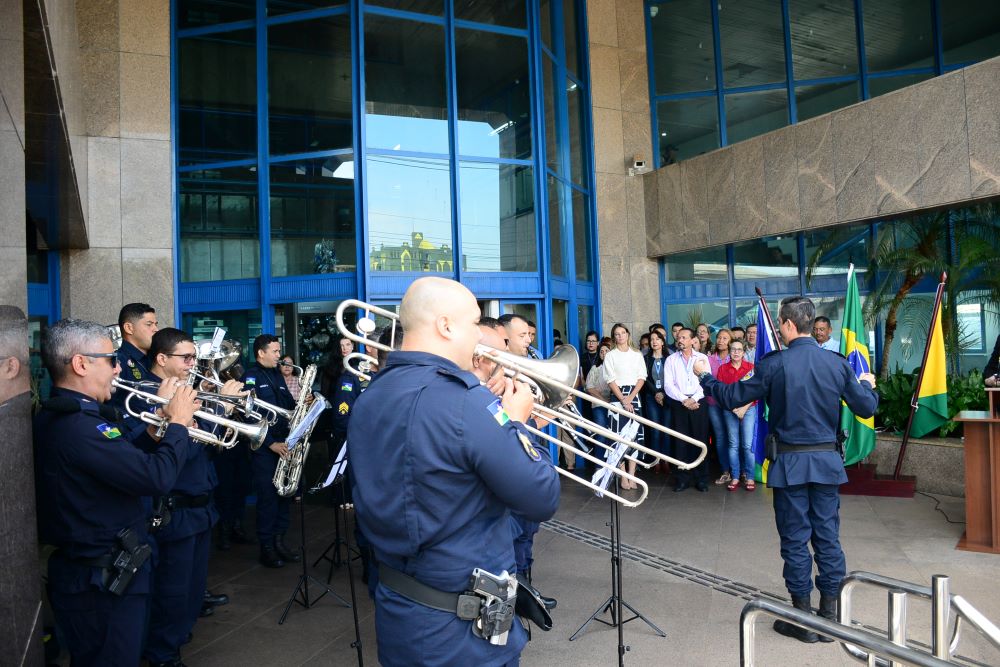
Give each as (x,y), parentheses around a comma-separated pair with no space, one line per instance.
(614,603)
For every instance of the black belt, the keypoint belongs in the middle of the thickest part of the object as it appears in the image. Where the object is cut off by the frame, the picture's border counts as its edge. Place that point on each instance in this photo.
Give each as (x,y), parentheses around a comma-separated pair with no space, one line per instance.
(187,502)
(428,596)
(104,561)
(791,449)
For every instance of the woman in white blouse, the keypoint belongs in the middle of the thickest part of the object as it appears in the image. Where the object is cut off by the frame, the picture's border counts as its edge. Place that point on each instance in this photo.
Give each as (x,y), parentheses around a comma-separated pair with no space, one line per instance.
(625,372)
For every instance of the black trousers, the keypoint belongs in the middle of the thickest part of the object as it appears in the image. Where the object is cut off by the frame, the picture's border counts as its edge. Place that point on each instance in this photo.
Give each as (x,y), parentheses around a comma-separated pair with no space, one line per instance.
(696,424)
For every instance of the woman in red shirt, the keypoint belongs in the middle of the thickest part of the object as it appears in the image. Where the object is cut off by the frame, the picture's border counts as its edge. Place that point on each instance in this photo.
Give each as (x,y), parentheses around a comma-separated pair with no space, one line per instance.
(741,422)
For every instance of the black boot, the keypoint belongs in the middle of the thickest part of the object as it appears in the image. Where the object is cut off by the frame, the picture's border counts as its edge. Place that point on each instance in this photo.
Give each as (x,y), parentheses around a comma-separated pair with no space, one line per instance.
(269,556)
(239,535)
(225,542)
(828,610)
(215,600)
(794,631)
(286,554)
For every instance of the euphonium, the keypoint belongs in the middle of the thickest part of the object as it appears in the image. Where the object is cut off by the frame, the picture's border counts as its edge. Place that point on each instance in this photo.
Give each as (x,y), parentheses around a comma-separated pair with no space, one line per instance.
(289,470)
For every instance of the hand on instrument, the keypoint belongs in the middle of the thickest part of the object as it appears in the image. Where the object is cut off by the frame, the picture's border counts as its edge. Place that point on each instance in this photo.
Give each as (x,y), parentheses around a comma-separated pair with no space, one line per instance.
(497,384)
(168,387)
(701,366)
(517,400)
(232,388)
(279,448)
(183,405)
(867,377)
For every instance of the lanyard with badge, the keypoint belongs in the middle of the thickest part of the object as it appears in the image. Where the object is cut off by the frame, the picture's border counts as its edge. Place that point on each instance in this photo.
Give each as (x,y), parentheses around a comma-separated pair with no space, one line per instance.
(658,372)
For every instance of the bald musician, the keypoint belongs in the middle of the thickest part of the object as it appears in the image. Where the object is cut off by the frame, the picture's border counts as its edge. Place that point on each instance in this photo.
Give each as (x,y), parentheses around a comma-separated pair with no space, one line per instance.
(438,464)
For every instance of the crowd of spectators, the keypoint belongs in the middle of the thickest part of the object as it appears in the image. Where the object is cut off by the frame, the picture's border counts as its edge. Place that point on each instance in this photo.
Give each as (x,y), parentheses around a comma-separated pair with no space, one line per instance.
(656,380)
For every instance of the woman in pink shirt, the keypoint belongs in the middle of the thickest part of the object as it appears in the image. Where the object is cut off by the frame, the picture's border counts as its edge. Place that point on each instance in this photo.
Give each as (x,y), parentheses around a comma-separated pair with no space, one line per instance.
(717,357)
(741,422)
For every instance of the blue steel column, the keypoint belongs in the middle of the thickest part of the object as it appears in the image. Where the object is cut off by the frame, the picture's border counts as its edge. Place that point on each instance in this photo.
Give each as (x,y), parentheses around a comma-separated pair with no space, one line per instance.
(263,173)
(786,30)
(859,26)
(536,63)
(451,84)
(360,154)
(175,176)
(717,53)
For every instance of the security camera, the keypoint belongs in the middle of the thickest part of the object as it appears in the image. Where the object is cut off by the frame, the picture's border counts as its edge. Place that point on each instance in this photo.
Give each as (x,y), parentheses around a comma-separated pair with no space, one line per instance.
(638,165)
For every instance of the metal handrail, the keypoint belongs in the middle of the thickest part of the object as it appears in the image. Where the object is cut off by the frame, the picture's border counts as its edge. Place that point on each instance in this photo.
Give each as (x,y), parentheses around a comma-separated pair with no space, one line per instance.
(836,631)
(943,603)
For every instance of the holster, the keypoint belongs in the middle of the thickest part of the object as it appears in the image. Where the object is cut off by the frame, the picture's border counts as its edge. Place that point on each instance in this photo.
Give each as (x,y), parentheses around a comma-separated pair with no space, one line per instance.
(529,604)
(841,440)
(126,559)
(771,447)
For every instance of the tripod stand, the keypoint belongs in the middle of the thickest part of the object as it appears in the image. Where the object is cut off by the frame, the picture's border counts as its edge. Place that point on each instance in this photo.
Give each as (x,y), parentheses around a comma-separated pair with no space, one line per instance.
(302,587)
(614,603)
(332,552)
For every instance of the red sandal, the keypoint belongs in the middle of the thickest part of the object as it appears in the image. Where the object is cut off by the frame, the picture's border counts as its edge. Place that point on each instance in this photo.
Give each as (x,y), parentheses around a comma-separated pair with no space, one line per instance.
(750,486)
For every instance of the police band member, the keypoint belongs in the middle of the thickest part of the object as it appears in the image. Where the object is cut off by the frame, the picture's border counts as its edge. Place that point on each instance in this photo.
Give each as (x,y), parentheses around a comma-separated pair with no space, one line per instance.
(184,541)
(438,462)
(89,480)
(137,323)
(265,379)
(803,386)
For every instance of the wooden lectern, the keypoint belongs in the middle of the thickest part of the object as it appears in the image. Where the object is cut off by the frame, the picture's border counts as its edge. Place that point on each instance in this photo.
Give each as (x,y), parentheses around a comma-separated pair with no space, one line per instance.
(982,476)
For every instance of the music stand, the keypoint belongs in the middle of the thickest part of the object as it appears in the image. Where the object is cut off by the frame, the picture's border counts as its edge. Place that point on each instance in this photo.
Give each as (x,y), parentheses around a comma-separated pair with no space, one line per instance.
(302,587)
(614,603)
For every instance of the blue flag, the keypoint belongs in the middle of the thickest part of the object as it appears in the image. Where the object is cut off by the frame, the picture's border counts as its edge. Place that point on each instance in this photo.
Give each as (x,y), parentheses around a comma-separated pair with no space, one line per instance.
(767,342)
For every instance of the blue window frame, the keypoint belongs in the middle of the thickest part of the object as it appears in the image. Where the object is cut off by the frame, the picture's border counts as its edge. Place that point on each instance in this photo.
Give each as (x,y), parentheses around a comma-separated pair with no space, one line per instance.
(285,147)
(823,56)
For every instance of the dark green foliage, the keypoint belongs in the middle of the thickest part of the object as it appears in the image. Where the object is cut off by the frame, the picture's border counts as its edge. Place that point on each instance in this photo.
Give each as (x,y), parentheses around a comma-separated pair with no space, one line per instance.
(965,392)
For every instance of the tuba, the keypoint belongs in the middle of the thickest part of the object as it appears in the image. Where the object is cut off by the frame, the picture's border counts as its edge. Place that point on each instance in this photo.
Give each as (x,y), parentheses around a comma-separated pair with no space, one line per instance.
(289,470)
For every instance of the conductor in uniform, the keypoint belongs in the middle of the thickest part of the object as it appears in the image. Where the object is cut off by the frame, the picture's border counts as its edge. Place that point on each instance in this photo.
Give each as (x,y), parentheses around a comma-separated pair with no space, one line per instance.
(438,463)
(803,386)
(89,481)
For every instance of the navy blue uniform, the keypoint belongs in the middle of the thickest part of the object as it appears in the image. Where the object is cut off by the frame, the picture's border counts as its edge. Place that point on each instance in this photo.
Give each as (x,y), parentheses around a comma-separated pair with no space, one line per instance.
(135,368)
(181,569)
(347,390)
(803,386)
(89,479)
(272,509)
(437,469)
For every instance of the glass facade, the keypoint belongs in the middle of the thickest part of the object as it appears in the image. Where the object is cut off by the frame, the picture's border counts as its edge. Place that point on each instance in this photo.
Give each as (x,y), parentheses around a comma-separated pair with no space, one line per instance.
(717,285)
(332,150)
(724,72)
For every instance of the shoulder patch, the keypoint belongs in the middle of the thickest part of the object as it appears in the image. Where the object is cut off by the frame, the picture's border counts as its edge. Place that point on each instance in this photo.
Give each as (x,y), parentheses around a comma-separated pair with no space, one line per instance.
(343,408)
(529,448)
(747,376)
(346,386)
(250,380)
(496,409)
(110,432)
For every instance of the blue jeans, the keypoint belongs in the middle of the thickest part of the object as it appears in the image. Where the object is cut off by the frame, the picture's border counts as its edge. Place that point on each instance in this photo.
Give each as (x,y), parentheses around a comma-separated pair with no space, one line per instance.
(658,440)
(741,433)
(720,435)
(601,419)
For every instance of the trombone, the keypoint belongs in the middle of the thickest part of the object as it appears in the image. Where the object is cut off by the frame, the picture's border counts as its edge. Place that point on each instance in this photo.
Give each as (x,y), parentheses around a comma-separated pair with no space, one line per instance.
(246,404)
(234,429)
(551,381)
(365,363)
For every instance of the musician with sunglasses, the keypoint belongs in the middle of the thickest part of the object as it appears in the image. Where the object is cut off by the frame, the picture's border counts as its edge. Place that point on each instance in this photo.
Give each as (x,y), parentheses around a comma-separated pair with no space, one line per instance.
(184,542)
(89,484)
(438,463)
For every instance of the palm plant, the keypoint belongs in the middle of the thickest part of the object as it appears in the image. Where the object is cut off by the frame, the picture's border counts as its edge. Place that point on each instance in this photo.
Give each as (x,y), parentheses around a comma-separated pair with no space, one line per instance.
(963,244)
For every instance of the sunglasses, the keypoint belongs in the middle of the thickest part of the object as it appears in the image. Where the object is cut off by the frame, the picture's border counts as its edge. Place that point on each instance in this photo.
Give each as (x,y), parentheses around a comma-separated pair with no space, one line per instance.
(112,357)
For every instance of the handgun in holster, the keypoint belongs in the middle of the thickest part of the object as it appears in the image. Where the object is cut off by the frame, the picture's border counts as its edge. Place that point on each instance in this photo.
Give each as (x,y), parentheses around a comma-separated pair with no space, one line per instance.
(496,612)
(842,436)
(128,556)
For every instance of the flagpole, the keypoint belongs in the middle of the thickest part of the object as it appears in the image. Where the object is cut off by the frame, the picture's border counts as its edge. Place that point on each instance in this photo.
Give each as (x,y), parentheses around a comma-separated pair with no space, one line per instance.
(920,377)
(767,311)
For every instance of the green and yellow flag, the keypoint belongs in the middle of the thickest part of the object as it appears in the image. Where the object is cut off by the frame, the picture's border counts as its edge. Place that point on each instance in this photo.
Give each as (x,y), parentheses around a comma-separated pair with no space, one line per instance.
(854,346)
(931,396)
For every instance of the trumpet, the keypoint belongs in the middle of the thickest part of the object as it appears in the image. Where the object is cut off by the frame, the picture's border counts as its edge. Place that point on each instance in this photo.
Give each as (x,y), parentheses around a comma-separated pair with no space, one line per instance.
(250,403)
(551,381)
(234,429)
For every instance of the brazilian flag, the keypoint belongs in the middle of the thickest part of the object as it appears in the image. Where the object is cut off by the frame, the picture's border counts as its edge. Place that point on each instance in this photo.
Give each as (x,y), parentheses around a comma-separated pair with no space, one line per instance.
(854,346)
(932,393)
